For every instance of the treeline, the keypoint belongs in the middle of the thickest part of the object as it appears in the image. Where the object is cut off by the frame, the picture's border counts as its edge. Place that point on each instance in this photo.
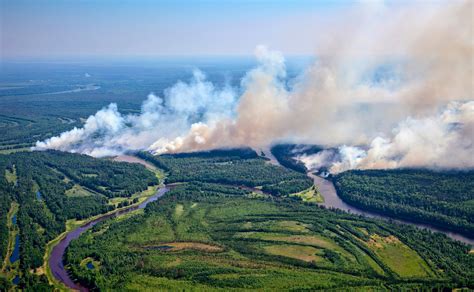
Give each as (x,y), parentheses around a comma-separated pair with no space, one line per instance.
(443,199)
(53,173)
(232,167)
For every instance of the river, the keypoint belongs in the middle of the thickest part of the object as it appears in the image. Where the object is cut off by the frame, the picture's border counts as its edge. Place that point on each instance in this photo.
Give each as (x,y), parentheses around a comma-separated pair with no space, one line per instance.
(332,200)
(56,259)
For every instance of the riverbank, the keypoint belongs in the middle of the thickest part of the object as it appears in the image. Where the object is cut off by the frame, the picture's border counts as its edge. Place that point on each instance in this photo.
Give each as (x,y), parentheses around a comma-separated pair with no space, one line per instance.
(332,200)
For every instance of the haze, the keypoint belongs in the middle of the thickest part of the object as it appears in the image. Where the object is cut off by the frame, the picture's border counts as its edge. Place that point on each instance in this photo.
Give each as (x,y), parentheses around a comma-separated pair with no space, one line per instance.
(73,29)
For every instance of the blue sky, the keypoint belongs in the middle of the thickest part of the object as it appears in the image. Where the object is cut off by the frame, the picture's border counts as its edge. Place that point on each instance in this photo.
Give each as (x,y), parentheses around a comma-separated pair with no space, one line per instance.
(61,28)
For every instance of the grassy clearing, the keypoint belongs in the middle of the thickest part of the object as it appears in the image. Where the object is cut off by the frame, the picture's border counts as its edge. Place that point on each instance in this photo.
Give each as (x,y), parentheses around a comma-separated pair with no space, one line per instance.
(310,195)
(183,245)
(78,191)
(303,239)
(179,210)
(11,175)
(303,253)
(399,257)
(9,151)
(294,226)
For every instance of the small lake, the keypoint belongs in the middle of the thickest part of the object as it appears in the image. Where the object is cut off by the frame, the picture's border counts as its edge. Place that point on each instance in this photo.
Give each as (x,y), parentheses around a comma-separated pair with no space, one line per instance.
(16,280)
(39,197)
(16,251)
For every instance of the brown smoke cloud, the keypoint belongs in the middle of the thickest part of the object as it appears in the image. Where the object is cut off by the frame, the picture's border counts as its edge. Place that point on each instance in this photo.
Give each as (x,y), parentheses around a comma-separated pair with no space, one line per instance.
(411,115)
(436,52)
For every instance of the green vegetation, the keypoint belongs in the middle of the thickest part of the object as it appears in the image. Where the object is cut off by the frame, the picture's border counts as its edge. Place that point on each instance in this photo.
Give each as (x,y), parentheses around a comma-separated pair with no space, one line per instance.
(240,167)
(51,188)
(310,195)
(78,191)
(10,270)
(209,236)
(440,199)
(399,257)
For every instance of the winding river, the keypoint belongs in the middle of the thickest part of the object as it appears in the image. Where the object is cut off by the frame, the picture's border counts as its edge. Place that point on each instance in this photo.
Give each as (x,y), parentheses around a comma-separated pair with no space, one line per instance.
(56,259)
(332,200)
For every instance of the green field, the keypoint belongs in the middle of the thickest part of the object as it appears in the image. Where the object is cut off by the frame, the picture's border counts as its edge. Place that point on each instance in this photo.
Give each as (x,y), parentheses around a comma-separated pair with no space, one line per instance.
(311,195)
(399,257)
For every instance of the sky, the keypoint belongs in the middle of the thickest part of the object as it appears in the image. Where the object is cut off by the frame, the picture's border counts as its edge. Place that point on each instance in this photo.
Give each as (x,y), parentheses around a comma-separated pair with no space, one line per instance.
(63,28)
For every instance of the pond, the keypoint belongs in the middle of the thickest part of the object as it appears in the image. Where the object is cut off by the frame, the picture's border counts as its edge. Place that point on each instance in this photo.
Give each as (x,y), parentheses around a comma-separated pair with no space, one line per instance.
(16,251)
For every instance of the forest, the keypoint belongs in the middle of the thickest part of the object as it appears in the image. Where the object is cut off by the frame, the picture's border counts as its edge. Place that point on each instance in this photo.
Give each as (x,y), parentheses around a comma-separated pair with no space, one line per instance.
(52,187)
(207,237)
(444,199)
(240,167)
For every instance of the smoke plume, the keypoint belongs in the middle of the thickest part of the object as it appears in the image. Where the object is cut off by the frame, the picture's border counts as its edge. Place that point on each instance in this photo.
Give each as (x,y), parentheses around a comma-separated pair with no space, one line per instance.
(393,87)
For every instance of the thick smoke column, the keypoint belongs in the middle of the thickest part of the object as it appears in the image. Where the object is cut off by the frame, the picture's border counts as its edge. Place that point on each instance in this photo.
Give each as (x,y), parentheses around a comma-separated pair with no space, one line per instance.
(398,86)
(108,132)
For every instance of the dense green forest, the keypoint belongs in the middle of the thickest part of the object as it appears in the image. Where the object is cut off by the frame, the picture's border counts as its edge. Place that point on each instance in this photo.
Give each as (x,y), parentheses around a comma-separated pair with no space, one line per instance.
(5,201)
(442,199)
(234,167)
(52,187)
(204,236)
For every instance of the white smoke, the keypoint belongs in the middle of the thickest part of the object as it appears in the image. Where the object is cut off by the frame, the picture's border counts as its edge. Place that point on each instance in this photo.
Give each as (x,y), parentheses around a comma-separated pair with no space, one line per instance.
(108,132)
(400,84)
(445,140)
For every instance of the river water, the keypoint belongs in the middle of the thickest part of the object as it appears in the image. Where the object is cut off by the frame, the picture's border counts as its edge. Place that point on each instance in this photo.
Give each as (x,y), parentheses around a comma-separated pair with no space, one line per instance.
(332,200)
(57,254)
